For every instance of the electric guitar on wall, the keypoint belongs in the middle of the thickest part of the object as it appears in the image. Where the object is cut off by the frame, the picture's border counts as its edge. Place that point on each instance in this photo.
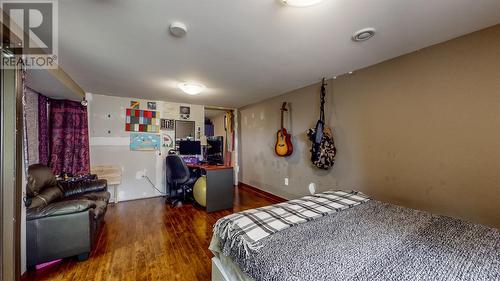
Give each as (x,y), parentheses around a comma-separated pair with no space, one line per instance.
(283,145)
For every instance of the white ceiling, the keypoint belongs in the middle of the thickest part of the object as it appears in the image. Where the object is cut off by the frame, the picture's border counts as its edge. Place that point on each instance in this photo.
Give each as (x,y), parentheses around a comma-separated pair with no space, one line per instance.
(43,82)
(212,113)
(245,51)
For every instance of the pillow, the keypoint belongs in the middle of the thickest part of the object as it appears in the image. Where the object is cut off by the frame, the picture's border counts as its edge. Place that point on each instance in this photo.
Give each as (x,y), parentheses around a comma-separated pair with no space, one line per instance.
(45,197)
(39,177)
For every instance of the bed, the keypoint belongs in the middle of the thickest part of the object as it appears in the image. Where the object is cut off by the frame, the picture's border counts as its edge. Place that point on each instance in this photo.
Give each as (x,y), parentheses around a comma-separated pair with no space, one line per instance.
(364,240)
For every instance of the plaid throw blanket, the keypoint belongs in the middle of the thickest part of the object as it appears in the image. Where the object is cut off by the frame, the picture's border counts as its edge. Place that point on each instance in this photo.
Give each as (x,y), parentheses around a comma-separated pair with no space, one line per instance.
(245,229)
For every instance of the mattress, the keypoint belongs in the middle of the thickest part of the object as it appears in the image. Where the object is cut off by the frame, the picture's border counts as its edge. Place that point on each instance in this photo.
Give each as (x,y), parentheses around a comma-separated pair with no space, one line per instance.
(372,241)
(228,270)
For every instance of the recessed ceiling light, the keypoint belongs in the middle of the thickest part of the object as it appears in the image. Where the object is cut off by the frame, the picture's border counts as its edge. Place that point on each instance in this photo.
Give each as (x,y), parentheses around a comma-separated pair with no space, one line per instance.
(191,88)
(301,3)
(363,34)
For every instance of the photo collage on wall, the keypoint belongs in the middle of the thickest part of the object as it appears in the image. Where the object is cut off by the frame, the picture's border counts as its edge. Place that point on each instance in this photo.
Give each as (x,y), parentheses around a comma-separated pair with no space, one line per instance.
(144,126)
(146,121)
(148,131)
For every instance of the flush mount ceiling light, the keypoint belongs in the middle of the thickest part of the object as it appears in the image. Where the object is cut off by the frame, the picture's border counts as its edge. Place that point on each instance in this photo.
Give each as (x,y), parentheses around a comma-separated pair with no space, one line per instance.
(301,3)
(363,34)
(191,88)
(178,29)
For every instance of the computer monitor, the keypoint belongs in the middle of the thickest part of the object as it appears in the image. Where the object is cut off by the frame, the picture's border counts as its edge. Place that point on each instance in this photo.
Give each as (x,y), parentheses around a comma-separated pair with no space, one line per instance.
(214,145)
(215,150)
(187,147)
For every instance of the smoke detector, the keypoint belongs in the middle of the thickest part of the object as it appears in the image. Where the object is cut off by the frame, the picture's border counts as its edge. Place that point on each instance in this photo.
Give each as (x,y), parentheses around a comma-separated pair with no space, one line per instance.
(178,29)
(363,34)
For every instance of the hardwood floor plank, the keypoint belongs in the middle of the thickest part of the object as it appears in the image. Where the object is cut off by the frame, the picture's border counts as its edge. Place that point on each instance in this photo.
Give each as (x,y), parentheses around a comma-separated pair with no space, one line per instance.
(149,240)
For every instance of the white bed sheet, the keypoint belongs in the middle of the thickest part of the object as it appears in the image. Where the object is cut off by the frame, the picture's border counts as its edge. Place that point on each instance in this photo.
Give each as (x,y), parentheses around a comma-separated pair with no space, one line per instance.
(230,269)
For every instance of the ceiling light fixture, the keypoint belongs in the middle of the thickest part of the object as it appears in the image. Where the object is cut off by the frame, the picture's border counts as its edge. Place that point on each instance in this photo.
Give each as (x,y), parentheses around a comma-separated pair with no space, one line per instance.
(363,34)
(191,88)
(178,29)
(301,3)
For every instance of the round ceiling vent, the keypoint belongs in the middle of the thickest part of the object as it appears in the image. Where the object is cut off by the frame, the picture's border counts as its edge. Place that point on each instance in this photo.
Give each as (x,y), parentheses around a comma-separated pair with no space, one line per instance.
(363,34)
(178,29)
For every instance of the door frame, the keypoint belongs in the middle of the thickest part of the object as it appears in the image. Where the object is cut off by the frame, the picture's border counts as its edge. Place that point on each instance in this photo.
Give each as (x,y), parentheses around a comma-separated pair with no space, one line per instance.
(11,214)
(236,153)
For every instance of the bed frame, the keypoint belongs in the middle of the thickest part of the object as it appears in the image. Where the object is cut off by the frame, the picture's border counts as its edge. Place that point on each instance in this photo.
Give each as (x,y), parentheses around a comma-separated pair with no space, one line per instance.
(218,272)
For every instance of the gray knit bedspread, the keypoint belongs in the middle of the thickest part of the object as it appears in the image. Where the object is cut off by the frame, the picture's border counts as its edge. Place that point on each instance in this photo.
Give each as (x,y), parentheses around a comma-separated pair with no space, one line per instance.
(377,241)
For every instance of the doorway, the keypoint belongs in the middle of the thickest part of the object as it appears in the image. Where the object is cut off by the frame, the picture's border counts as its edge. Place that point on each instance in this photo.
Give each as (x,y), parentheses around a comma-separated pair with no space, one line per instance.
(221,131)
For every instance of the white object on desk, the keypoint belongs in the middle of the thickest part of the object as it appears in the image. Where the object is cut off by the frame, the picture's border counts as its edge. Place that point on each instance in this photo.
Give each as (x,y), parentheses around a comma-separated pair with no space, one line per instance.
(111,173)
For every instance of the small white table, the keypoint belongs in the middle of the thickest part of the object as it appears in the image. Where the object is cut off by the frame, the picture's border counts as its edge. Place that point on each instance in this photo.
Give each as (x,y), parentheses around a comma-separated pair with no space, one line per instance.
(111,173)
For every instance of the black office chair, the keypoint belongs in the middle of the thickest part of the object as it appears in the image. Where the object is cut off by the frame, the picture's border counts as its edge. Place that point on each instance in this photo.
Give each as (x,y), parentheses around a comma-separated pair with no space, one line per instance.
(179,180)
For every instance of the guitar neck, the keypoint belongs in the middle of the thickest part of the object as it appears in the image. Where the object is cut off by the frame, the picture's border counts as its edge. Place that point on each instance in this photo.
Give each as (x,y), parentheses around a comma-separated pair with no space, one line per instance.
(282,112)
(283,109)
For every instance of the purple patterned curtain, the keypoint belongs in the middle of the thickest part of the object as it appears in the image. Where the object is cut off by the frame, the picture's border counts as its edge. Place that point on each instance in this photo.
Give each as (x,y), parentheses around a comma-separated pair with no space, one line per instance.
(43,130)
(69,147)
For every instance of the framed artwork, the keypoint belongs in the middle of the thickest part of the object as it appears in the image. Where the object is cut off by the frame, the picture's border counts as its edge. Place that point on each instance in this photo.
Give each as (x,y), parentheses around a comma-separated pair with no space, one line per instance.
(135,104)
(168,139)
(137,120)
(151,105)
(184,112)
(167,124)
(144,142)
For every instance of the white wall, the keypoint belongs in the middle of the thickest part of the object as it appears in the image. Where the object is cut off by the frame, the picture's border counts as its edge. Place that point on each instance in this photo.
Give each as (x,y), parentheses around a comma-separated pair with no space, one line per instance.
(421,131)
(109,143)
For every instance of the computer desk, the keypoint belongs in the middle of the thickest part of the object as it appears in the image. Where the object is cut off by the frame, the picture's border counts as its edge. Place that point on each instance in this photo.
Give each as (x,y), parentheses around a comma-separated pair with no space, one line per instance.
(220,186)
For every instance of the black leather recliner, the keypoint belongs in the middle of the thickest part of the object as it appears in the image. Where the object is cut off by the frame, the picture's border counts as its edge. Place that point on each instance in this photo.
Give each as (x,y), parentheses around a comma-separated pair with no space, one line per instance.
(62,218)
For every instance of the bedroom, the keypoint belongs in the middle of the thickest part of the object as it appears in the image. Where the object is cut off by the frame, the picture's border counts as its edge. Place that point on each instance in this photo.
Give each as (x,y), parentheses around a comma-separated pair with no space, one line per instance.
(411,102)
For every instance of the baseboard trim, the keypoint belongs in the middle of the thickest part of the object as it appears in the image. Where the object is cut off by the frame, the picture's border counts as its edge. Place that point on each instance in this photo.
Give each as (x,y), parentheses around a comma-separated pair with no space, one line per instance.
(136,199)
(259,191)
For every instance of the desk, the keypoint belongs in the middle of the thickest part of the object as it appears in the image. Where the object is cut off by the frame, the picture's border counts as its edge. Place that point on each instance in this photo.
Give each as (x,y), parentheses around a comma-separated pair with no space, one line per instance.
(220,186)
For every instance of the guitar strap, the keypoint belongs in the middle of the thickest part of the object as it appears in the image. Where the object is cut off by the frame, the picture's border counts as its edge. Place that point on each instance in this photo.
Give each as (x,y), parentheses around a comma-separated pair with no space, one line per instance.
(323,149)
(321,122)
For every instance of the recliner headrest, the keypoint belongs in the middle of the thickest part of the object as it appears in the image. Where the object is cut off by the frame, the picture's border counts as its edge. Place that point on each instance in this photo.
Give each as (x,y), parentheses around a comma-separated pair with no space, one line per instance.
(39,177)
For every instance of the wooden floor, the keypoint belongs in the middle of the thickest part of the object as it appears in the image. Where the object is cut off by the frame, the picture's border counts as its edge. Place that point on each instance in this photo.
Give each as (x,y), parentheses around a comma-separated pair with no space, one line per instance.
(149,240)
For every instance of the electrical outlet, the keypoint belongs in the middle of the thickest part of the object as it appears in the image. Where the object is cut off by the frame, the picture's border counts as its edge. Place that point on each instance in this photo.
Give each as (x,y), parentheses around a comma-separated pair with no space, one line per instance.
(286,181)
(312,188)
(140,174)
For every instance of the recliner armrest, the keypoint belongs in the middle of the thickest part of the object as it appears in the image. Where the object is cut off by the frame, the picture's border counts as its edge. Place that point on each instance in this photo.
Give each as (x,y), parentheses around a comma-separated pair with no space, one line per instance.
(83,186)
(59,208)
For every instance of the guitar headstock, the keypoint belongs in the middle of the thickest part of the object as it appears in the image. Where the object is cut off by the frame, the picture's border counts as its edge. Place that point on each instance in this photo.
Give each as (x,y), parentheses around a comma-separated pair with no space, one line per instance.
(283,107)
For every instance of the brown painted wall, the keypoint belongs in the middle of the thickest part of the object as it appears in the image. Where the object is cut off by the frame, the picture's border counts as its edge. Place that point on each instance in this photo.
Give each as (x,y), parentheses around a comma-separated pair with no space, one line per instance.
(421,130)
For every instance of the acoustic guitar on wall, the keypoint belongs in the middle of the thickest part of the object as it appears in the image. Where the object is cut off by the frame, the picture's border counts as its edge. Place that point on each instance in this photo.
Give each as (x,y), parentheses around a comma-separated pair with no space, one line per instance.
(283,145)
